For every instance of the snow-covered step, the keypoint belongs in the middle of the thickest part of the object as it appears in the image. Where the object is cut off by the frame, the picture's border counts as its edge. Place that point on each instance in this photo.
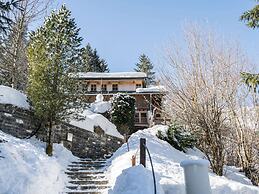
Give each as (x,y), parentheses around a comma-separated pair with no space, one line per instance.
(87,176)
(87,165)
(88,187)
(87,192)
(85,169)
(89,162)
(89,182)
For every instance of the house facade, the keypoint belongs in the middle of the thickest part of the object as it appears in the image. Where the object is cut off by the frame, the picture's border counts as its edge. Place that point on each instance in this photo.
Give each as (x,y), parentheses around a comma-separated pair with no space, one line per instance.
(148,99)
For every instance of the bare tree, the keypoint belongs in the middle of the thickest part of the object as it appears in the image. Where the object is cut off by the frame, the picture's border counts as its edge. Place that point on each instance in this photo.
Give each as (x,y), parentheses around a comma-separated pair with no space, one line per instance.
(13,64)
(244,115)
(199,78)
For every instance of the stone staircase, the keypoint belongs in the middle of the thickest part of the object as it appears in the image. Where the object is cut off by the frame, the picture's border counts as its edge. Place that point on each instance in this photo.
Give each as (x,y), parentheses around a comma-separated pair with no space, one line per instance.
(87,176)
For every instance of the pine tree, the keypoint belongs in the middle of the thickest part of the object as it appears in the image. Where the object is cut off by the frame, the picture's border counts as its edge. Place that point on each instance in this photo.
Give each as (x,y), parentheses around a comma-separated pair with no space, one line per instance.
(53,63)
(92,61)
(251,18)
(146,66)
(5,20)
(123,112)
(87,58)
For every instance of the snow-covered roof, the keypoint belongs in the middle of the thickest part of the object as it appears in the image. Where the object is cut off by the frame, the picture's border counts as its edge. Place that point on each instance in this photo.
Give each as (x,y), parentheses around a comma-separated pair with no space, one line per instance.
(151,89)
(114,75)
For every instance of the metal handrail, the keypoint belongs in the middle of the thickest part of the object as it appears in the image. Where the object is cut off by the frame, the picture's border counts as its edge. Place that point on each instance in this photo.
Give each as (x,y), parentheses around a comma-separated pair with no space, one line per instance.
(153,172)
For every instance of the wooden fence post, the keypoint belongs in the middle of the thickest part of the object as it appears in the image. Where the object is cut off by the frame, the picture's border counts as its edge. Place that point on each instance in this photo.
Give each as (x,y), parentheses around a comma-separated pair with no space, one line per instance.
(142,151)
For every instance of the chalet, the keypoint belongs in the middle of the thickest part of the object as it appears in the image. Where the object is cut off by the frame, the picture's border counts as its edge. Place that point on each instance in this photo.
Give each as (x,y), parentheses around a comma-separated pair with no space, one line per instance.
(148,99)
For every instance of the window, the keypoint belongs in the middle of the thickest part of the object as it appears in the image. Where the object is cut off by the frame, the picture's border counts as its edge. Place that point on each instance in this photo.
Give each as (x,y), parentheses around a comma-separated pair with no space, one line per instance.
(93,87)
(158,115)
(138,86)
(114,87)
(104,87)
(144,115)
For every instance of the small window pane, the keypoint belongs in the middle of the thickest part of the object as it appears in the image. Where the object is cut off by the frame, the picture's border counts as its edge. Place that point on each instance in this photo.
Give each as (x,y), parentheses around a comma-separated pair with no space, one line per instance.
(138,85)
(104,87)
(114,87)
(93,87)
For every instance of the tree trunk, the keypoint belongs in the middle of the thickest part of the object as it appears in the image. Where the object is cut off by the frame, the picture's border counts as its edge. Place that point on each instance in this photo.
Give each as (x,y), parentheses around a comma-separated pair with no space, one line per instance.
(49,148)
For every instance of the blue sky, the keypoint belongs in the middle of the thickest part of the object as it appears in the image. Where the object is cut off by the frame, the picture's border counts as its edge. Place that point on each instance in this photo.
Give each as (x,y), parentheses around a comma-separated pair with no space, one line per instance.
(121,30)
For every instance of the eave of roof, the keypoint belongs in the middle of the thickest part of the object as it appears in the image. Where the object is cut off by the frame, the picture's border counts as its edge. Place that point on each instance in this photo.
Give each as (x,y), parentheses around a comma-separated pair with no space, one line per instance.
(107,76)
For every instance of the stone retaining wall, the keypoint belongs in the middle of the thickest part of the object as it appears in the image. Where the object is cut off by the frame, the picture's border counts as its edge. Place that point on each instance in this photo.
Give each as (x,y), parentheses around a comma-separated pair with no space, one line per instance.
(82,143)
(16,121)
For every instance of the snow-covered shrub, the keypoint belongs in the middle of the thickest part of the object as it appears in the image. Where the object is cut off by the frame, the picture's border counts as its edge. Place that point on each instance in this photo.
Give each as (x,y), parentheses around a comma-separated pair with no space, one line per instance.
(123,112)
(178,137)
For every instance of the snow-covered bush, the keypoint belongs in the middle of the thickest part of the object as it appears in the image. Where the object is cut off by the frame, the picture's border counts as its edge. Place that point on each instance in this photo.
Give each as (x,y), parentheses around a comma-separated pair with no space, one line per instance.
(178,137)
(123,112)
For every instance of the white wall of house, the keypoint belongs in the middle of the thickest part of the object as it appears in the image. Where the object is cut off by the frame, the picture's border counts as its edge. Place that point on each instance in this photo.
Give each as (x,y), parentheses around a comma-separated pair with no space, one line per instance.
(123,85)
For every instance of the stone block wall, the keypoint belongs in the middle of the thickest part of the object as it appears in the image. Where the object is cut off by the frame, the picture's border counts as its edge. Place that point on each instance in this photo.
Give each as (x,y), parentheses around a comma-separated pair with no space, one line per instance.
(16,121)
(83,143)
(21,123)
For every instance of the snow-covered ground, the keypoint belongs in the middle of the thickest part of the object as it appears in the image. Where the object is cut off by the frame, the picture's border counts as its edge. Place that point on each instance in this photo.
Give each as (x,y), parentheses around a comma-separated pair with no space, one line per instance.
(138,180)
(91,119)
(26,169)
(100,106)
(11,96)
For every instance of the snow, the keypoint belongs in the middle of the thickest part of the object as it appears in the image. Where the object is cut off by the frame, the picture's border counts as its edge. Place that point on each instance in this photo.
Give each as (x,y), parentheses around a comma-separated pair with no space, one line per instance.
(20,121)
(100,106)
(122,75)
(233,173)
(99,98)
(151,89)
(11,96)
(127,183)
(91,119)
(166,161)
(26,169)
(8,115)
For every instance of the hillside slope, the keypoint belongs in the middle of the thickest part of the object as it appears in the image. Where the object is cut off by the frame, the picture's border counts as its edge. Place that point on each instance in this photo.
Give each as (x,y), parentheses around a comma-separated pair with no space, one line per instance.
(26,169)
(130,180)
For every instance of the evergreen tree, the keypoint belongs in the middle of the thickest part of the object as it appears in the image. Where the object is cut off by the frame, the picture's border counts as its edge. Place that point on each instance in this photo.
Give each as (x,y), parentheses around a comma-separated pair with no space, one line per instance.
(251,80)
(178,137)
(123,112)
(92,61)
(5,20)
(53,64)
(146,66)
(251,18)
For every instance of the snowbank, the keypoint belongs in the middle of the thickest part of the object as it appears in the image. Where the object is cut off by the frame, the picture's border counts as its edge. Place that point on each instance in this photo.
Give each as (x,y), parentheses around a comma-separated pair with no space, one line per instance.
(166,162)
(11,96)
(92,119)
(136,180)
(100,107)
(26,169)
